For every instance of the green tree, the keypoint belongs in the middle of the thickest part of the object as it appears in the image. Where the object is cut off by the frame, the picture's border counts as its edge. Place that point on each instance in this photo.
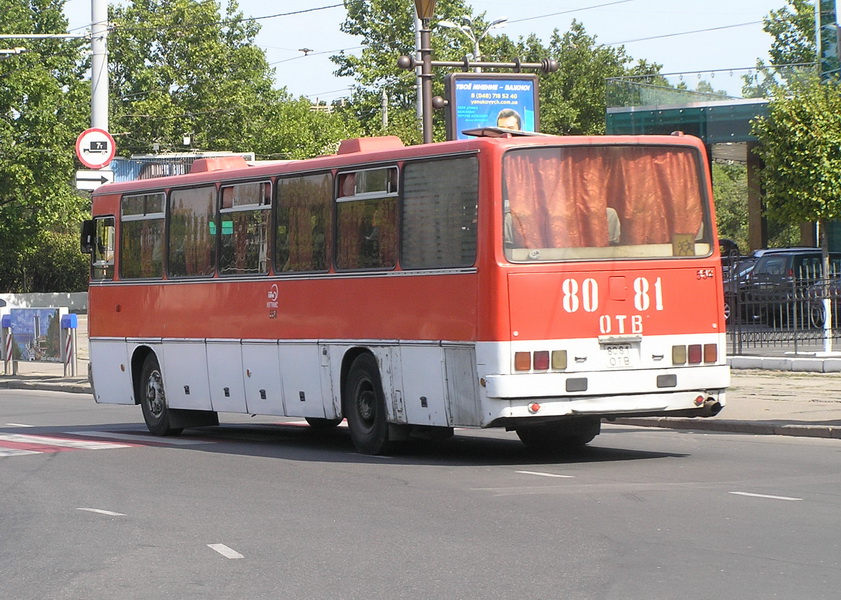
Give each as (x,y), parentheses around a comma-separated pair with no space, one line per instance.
(44,103)
(386,29)
(799,144)
(793,49)
(190,67)
(573,99)
(178,68)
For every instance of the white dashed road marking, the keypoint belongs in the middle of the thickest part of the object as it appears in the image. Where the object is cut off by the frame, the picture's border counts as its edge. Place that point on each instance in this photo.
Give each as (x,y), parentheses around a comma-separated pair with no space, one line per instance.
(225,551)
(766,496)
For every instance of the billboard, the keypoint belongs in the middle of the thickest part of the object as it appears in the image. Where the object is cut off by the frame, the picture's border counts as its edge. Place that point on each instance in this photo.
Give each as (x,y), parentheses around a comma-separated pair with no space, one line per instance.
(37,333)
(507,100)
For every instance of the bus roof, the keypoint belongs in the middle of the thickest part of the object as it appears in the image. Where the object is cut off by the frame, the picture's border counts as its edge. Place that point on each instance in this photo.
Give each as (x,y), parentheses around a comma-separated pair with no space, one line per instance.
(357,152)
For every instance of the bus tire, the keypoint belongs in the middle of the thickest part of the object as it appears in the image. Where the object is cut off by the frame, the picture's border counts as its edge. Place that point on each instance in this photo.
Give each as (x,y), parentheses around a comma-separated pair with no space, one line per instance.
(560,435)
(153,399)
(321,423)
(364,406)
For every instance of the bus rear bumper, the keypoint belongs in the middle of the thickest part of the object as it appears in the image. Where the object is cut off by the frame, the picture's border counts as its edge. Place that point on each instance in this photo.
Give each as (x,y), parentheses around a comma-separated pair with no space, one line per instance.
(531,397)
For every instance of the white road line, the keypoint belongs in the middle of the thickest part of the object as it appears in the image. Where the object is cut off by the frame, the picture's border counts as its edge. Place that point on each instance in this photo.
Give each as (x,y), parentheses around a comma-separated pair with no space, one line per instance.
(225,551)
(539,474)
(100,511)
(57,442)
(766,496)
(18,425)
(139,438)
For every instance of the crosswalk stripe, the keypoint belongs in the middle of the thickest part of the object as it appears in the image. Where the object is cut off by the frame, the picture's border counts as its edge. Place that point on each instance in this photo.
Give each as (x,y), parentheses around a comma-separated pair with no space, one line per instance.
(39,440)
(17,452)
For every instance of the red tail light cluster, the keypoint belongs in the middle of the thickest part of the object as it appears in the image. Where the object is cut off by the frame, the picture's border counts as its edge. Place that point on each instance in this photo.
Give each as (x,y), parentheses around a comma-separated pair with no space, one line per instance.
(694,354)
(541,360)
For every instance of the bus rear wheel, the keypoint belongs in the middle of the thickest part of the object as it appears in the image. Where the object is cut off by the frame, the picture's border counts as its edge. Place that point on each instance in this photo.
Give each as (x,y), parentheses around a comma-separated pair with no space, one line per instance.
(153,399)
(560,435)
(364,406)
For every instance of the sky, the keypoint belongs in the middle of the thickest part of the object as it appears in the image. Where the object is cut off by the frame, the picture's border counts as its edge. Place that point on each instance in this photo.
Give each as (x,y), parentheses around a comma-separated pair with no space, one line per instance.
(655,30)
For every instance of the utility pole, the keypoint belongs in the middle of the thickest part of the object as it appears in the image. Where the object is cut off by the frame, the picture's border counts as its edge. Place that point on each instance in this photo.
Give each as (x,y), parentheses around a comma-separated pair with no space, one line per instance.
(99,64)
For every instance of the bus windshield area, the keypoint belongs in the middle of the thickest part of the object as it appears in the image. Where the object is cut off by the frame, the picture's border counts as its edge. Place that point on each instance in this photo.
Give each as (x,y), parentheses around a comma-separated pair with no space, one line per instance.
(604,202)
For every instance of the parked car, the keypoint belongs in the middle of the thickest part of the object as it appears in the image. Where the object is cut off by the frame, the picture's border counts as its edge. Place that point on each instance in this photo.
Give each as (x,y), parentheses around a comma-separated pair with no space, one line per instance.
(734,281)
(777,288)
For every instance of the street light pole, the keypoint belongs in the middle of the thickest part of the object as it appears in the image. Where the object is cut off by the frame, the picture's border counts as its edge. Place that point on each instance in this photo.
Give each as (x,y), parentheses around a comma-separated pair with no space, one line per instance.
(425,9)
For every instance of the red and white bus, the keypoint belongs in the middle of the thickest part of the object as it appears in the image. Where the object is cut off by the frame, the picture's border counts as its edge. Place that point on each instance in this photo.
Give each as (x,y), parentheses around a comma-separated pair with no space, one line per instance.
(534,283)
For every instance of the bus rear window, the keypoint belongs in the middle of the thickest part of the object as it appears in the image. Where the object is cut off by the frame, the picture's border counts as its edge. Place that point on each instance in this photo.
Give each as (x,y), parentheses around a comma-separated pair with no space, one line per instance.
(591,202)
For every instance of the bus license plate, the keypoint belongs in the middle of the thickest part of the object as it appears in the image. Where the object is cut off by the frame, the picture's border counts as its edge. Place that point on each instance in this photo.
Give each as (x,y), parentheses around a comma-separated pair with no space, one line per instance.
(619,356)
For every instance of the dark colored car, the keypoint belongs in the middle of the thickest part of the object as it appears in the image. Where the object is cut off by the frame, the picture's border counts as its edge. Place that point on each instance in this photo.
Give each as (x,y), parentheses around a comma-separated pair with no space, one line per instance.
(735,276)
(777,289)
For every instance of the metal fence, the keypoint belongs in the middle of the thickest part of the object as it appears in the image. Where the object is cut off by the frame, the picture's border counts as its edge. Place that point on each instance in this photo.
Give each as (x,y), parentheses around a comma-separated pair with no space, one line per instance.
(788,314)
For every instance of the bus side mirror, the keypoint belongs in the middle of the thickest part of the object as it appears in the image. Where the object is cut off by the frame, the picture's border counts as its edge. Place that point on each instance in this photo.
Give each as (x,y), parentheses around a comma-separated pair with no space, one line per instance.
(88,236)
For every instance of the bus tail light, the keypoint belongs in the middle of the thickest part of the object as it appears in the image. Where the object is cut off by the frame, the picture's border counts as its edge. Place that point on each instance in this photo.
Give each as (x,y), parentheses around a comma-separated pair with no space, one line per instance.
(534,407)
(694,354)
(541,360)
(522,361)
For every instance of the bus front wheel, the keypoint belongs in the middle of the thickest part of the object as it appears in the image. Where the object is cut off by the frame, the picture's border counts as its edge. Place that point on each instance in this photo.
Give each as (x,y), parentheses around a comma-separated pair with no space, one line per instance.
(364,406)
(153,399)
(560,435)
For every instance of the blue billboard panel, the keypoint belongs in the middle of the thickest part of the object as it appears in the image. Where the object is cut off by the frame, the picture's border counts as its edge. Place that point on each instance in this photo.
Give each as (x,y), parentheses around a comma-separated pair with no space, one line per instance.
(501,100)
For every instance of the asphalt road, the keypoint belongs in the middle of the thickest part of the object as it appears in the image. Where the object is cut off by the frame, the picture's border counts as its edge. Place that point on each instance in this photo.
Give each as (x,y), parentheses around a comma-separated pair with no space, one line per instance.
(93,508)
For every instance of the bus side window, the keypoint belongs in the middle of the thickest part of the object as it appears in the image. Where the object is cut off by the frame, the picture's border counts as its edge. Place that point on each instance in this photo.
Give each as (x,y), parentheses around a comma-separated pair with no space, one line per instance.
(102,263)
(366,221)
(244,240)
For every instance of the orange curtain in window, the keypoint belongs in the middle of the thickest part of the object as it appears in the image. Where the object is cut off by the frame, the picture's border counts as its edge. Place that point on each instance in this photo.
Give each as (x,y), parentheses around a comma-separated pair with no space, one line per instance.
(660,194)
(559,198)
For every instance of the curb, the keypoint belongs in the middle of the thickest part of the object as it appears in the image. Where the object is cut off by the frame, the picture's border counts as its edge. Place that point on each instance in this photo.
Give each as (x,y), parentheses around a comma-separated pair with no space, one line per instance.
(73,387)
(783,363)
(730,426)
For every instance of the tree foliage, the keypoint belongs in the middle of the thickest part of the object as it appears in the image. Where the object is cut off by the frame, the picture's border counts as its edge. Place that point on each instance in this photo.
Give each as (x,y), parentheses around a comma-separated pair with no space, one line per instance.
(43,107)
(799,144)
(190,67)
(572,99)
(178,68)
(792,28)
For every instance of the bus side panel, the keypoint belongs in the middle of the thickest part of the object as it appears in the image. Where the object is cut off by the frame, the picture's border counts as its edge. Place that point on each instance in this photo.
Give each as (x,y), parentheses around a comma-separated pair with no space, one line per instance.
(261,367)
(462,386)
(110,371)
(424,387)
(300,374)
(227,391)
(185,374)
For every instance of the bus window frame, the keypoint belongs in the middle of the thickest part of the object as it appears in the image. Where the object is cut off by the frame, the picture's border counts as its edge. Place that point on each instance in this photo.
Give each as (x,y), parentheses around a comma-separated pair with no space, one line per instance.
(267,205)
(150,216)
(590,253)
(340,198)
(215,220)
(105,266)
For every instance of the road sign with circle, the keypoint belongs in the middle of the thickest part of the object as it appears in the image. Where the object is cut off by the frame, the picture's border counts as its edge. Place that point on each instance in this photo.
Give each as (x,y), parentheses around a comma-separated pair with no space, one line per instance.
(95,148)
